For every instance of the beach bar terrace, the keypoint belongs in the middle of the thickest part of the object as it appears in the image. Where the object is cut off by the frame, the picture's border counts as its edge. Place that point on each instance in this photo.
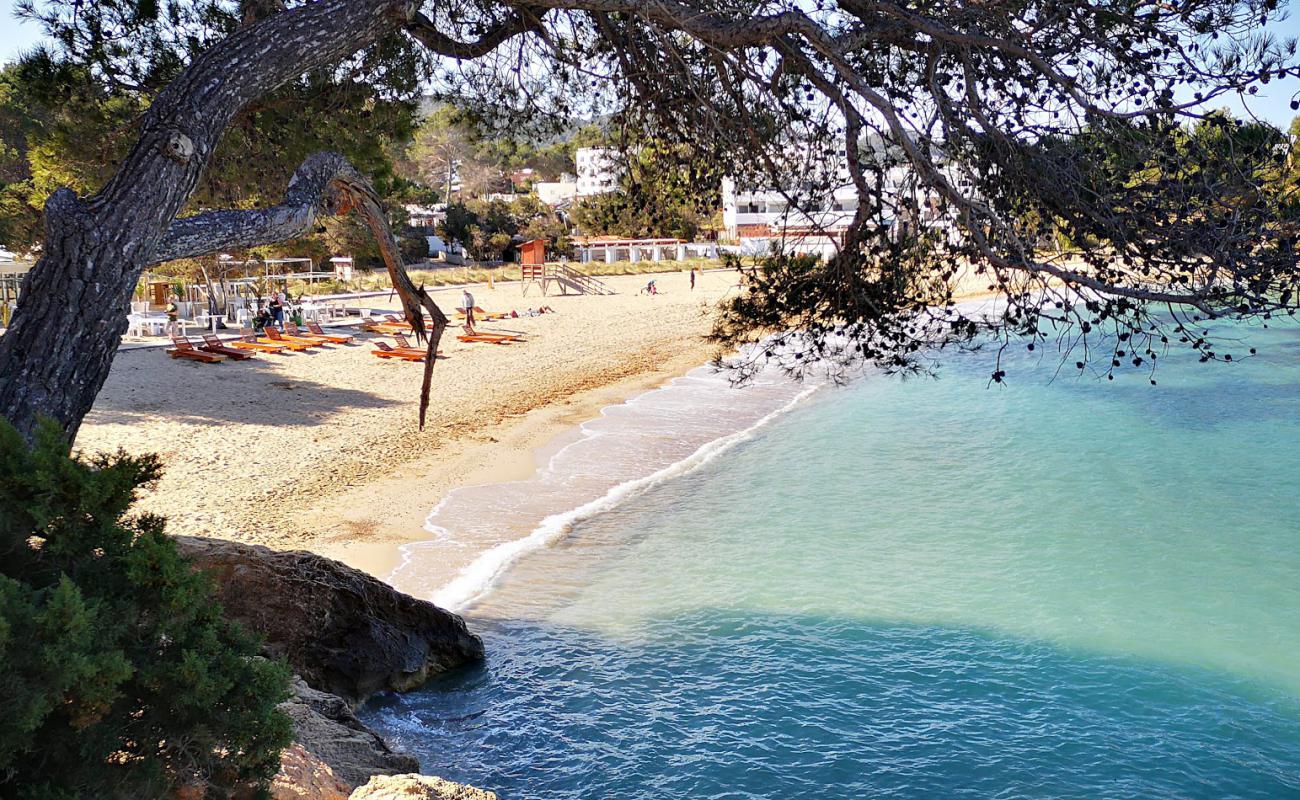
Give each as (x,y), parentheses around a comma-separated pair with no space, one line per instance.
(611,248)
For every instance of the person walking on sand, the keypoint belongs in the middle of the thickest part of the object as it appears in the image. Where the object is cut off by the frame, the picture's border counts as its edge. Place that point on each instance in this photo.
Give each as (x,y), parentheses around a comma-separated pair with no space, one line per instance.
(467,305)
(692,279)
(173,316)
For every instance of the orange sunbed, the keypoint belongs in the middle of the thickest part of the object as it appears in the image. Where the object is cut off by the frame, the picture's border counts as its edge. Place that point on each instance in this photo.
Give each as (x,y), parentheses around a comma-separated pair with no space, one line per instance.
(484,316)
(292,342)
(385,327)
(488,338)
(405,344)
(212,344)
(184,349)
(295,332)
(248,341)
(387,351)
(336,338)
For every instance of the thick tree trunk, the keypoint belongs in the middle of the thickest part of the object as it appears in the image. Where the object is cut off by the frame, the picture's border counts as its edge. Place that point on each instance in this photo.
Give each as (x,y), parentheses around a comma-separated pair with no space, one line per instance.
(70,320)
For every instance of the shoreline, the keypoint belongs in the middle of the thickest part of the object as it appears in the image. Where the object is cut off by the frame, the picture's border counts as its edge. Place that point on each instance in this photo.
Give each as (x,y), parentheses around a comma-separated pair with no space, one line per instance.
(320,451)
(512,452)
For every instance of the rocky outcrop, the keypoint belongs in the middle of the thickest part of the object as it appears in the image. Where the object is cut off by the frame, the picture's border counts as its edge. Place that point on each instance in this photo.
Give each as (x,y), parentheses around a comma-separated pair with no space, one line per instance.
(303,776)
(342,630)
(348,636)
(418,787)
(325,726)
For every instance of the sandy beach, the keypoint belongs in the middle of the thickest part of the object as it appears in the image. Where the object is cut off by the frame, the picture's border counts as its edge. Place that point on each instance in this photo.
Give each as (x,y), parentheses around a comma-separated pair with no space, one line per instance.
(320,450)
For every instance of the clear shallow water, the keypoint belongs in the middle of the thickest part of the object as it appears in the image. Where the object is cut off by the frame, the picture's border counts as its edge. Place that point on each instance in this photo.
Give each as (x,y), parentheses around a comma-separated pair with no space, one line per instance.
(917,589)
(479,532)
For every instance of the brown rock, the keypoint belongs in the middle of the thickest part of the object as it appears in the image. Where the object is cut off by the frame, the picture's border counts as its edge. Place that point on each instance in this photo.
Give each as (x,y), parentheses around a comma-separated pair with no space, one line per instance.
(325,727)
(342,630)
(418,787)
(303,776)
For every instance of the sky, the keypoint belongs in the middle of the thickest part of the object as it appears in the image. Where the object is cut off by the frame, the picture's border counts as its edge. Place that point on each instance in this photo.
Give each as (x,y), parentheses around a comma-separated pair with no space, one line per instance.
(1272,104)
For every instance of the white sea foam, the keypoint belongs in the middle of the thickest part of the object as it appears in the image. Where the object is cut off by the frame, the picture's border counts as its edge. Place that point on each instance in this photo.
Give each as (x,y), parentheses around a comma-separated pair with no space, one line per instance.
(479,577)
(669,431)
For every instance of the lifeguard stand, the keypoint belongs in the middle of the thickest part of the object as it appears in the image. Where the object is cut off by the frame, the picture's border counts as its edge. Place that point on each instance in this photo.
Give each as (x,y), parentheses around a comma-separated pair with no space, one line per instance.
(532,264)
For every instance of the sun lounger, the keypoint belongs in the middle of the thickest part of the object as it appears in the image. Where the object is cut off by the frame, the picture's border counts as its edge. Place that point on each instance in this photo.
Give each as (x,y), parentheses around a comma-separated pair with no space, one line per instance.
(336,338)
(375,326)
(212,344)
(281,342)
(297,333)
(389,324)
(484,316)
(385,351)
(248,341)
(292,342)
(488,338)
(405,344)
(184,349)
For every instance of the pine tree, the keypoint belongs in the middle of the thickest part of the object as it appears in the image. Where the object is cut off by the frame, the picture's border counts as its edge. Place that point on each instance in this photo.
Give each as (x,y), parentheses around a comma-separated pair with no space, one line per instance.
(118,675)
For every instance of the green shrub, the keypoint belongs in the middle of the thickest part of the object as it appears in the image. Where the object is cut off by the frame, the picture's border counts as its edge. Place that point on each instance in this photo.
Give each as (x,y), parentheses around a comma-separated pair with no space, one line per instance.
(118,675)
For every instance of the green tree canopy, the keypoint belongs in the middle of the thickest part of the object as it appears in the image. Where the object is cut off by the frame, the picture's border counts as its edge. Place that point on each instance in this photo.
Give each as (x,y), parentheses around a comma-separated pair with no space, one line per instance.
(119,678)
(90,89)
(664,190)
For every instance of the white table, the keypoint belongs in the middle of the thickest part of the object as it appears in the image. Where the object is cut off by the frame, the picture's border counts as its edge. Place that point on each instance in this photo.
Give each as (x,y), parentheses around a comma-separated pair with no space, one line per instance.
(157,326)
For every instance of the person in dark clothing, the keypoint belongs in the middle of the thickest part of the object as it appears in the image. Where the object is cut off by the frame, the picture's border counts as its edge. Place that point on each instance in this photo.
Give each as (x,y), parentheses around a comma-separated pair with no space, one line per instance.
(276,307)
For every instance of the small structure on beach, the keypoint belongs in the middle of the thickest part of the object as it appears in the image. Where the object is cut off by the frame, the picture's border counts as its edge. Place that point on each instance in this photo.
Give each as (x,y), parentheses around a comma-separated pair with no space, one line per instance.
(562,275)
(12,273)
(343,266)
(533,251)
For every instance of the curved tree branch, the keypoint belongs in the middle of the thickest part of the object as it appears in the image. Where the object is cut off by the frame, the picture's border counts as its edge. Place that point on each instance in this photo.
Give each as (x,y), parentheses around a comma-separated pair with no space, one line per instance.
(325,184)
(423,30)
(312,191)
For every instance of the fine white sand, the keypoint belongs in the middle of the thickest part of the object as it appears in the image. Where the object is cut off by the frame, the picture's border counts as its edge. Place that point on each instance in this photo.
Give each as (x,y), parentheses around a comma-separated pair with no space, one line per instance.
(320,450)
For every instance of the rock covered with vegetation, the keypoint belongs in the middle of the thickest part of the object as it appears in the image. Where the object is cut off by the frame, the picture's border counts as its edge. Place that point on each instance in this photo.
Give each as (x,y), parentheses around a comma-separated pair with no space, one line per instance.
(122,676)
(342,630)
(119,674)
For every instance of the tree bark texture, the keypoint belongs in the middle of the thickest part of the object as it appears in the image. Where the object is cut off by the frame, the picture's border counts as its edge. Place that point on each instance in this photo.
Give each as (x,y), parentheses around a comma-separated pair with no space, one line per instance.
(73,310)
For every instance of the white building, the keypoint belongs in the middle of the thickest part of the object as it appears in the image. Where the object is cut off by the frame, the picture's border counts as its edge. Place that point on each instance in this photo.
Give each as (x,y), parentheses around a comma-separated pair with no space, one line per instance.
(763,220)
(612,248)
(598,170)
(557,193)
(425,216)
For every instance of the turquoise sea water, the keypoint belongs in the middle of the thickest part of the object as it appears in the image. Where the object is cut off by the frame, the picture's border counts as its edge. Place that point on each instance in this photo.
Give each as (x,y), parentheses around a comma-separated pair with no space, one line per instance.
(926,588)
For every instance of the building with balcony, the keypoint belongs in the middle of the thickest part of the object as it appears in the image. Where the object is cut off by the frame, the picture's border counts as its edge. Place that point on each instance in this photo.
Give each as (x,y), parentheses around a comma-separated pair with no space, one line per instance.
(765,220)
(598,170)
